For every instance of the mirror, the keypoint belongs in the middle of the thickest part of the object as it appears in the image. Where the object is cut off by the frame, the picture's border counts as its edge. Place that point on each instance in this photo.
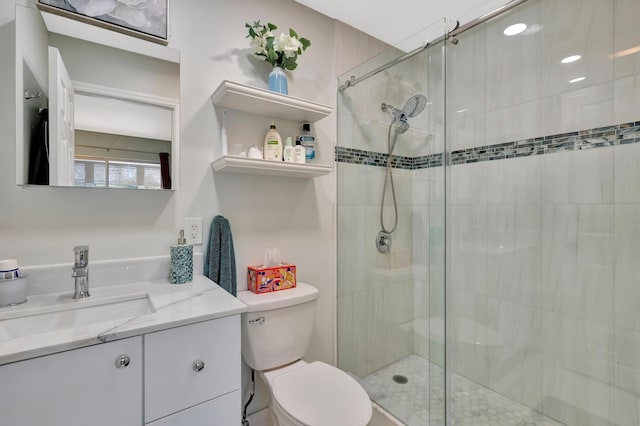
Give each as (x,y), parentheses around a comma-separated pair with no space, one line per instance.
(116,120)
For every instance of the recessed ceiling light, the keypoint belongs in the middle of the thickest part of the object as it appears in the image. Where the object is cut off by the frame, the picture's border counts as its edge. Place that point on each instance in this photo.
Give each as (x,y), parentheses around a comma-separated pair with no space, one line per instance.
(514,29)
(570,59)
(577,79)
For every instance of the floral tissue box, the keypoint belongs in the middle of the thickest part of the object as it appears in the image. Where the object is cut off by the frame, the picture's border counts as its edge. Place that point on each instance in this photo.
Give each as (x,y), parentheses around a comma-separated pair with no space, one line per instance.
(271,278)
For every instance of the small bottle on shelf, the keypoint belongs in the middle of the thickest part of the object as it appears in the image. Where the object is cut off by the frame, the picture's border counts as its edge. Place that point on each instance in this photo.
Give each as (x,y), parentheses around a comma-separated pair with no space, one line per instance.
(288,154)
(309,142)
(223,134)
(273,144)
(299,153)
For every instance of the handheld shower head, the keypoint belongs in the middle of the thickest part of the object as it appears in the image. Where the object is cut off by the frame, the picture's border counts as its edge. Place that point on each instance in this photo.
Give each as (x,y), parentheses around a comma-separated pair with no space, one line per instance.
(414,106)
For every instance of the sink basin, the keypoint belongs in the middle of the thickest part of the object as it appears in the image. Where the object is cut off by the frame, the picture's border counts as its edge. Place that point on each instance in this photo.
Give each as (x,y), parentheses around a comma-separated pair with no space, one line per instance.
(65,315)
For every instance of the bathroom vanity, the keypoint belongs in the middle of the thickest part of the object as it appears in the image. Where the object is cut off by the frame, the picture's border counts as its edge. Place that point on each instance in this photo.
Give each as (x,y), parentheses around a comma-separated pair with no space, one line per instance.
(144,353)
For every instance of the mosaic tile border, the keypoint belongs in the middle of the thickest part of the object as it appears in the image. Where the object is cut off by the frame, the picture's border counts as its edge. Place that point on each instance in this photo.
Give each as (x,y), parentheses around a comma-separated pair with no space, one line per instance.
(618,134)
(372,158)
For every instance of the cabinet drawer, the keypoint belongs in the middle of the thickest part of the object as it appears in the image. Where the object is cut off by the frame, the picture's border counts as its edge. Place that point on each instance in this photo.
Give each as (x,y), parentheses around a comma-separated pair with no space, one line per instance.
(75,388)
(224,410)
(170,356)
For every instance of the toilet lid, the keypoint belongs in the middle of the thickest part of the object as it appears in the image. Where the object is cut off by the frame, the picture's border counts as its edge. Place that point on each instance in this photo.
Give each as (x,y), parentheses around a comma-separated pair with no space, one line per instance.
(319,394)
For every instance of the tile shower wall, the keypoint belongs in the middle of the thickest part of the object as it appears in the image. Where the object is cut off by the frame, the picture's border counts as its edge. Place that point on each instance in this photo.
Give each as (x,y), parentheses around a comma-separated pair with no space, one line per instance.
(544,247)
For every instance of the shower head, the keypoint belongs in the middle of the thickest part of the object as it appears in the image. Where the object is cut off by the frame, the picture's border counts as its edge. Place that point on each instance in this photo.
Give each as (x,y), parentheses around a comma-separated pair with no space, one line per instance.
(414,106)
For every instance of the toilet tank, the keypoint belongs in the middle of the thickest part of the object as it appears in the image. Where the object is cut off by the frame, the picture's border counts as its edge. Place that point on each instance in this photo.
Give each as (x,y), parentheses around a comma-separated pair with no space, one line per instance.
(277,326)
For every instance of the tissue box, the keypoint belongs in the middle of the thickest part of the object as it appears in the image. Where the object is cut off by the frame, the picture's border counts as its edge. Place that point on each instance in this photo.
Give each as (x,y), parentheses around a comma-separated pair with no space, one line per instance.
(271,278)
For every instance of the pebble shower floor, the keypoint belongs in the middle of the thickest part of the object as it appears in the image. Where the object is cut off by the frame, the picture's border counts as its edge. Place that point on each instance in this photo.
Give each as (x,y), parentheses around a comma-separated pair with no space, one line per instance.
(472,405)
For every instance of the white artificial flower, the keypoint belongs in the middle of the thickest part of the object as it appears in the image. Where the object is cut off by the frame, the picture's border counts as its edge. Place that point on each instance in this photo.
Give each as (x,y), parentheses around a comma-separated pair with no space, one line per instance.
(259,44)
(287,45)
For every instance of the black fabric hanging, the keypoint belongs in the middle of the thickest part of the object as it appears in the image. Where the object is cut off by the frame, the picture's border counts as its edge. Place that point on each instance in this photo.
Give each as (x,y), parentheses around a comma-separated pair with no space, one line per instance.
(165,174)
(39,151)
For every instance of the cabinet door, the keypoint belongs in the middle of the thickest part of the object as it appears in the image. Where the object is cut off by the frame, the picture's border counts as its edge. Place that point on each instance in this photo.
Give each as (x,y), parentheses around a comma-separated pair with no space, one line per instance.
(188,365)
(222,411)
(79,387)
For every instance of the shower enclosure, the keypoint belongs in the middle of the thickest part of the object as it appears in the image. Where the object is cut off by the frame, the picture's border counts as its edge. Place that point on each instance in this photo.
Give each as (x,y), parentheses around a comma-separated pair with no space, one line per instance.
(509,290)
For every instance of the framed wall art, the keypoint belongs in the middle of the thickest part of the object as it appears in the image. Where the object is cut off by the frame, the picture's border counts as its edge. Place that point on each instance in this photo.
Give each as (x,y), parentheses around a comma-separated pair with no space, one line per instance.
(145,19)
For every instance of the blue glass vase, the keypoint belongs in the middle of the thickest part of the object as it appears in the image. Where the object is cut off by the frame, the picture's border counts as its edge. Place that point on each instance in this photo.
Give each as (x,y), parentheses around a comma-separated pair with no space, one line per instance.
(278,81)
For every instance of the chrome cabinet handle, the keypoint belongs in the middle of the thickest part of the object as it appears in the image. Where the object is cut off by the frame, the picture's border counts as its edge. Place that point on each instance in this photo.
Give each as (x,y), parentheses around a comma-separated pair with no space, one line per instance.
(198,366)
(123,361)
(257,321)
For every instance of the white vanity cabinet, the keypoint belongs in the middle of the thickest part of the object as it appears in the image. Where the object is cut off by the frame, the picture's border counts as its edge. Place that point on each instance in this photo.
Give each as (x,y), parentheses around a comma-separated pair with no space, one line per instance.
(190,365)
(182,376)
(99,385)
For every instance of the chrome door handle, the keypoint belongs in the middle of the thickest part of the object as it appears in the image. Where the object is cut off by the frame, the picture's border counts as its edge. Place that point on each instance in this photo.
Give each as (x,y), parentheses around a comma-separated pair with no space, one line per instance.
(198,366)
(123,361)
(257,321)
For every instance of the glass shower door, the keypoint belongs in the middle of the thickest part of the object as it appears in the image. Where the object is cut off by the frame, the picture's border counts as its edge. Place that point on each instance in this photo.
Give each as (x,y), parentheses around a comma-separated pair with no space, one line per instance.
(390,168)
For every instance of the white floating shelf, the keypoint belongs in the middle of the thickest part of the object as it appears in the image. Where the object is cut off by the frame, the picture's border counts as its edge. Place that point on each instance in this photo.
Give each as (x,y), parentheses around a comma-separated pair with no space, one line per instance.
(250,99)
(253,166)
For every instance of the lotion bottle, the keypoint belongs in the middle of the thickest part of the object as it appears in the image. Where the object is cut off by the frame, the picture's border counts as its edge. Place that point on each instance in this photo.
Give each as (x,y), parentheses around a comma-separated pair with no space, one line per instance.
(181,261)
(289,152)
(273,144)
(299,153)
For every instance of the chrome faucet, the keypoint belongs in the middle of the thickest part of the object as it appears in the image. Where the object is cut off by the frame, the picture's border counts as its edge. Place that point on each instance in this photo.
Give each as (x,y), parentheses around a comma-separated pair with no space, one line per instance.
(80,272)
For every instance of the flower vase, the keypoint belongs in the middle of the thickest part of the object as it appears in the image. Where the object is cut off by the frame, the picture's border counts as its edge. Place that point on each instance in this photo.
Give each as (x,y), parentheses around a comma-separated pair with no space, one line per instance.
(278,81)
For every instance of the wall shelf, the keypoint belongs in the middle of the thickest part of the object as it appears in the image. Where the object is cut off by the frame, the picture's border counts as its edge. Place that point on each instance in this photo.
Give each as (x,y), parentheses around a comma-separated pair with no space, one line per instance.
(252,166)
(250,99)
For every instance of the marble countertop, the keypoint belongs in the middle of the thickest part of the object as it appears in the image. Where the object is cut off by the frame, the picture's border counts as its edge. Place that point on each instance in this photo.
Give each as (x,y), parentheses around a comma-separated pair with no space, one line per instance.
(55,322)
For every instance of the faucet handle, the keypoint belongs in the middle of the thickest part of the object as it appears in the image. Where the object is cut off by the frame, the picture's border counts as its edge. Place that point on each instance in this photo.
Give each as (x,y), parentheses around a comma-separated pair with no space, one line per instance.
(82,256)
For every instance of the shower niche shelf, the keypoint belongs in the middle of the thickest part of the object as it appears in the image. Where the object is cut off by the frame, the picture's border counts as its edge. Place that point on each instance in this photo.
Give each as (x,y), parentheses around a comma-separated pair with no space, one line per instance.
(253,100)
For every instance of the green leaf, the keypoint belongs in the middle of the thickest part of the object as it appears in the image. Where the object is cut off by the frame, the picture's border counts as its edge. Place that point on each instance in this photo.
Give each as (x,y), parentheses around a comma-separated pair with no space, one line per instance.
(292,33)
(252,33)
(305,43)
(292,66)
(271,26)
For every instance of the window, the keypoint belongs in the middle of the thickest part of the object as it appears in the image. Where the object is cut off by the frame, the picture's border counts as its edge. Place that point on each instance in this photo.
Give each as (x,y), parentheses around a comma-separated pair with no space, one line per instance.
(93,172)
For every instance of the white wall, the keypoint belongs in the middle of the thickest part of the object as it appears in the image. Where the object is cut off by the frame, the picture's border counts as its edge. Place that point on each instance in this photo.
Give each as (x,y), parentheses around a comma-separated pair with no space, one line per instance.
(40,225)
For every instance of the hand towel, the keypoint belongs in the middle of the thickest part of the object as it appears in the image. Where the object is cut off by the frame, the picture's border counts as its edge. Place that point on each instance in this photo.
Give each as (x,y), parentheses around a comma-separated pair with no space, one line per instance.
(220,259)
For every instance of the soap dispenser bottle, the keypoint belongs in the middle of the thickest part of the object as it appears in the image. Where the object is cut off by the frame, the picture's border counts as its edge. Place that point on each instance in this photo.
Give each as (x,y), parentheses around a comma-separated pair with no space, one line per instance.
(273,144)
(181,261)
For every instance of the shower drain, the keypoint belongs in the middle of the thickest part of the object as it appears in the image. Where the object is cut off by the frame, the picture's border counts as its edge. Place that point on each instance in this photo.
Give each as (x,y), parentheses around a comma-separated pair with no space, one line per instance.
(398,378)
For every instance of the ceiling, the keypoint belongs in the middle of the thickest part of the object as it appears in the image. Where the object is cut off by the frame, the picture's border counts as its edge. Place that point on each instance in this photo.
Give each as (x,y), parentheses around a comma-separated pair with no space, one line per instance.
(405,24)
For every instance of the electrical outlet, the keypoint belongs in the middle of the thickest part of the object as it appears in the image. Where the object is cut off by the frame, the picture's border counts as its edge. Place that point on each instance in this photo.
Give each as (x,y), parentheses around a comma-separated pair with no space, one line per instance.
(193,230)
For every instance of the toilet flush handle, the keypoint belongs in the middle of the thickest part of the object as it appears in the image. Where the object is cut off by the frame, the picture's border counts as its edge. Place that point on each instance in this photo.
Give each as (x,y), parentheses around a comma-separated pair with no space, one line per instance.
(257,321)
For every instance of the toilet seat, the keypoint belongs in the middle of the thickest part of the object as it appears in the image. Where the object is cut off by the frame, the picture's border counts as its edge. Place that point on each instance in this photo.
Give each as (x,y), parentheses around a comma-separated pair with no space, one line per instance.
(318,394)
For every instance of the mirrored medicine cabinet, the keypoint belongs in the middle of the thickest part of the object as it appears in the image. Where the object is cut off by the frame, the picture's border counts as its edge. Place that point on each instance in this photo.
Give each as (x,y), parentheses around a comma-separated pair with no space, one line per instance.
(94,109)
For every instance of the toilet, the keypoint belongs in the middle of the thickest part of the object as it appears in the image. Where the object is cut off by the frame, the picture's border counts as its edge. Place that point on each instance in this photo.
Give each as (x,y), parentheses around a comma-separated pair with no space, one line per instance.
(276,329)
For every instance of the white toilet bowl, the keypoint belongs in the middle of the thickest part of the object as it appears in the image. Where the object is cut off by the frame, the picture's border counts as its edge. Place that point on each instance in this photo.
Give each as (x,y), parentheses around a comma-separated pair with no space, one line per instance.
(316,394)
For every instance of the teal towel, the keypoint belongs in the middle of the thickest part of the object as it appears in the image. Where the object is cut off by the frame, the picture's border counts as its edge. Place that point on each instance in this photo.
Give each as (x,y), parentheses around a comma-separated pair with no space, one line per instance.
(220,260)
